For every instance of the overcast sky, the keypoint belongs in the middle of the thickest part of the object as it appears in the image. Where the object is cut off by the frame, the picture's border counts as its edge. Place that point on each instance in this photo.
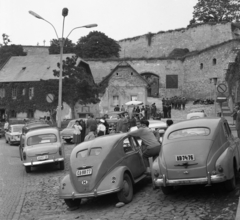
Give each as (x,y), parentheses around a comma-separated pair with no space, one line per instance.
(118,19)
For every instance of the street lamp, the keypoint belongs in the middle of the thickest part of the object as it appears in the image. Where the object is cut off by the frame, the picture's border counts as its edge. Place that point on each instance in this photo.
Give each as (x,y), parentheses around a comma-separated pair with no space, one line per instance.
(214,79)
(61,42)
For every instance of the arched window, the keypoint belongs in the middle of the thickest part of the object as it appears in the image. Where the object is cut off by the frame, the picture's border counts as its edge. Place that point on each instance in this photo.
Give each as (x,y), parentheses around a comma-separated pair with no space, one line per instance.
(214,61)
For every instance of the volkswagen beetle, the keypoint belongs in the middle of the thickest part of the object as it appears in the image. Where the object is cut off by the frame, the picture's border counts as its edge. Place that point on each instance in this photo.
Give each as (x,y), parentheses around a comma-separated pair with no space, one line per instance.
(199,151)
(43,146)
(107,164)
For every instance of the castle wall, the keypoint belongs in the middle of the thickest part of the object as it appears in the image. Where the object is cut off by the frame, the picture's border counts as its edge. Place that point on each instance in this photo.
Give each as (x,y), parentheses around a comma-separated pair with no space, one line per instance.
(162,44)
(36,50)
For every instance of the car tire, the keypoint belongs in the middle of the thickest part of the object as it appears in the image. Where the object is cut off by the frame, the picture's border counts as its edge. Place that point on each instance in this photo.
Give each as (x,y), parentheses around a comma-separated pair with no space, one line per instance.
(10,143)
(167,190)
(68,141)
(61,165)
(125,195)
(230,185)
(73,203)
(6,140)
(28,169)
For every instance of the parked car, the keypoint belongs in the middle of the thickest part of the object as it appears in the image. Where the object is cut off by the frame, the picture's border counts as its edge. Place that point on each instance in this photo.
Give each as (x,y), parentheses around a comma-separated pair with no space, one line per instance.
(67,133)
(195,115)
(201,151)
(154,125)
(107,164)
(12,134)
(30,127)
(43,146)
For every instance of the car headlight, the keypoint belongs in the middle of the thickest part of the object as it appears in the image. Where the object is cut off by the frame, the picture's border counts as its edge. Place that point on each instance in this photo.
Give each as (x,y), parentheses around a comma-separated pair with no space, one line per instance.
(219,169)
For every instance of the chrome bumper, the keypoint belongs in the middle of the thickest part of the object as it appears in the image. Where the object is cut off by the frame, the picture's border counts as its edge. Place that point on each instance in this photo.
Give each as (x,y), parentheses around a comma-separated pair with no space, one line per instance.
(204,180)
(33,163)
(87,195)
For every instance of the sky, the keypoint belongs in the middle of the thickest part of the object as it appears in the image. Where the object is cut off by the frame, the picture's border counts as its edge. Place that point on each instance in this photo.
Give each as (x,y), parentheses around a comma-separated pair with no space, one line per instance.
(118,19)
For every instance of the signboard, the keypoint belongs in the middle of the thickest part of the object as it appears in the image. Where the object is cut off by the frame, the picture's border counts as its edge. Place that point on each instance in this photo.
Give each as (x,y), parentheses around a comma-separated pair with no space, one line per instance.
(222,88)
(221,98)
(50,98)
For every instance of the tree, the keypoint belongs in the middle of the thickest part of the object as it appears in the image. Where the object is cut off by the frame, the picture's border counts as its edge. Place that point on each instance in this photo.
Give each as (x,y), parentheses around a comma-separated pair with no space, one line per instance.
(216,11)
(78,84)
(6,39)
(97,45)
(68,47)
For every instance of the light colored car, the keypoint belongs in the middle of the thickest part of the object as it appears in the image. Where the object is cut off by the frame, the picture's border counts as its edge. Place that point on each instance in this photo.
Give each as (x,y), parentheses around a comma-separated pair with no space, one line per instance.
(195,115)
(197,153)
(107,164)
(67,133)
(12,134)
(43,146)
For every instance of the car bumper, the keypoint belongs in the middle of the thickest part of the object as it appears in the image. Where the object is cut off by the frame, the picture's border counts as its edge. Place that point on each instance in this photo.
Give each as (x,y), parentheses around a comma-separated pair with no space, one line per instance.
(34,163)
(67,137)
(210,179)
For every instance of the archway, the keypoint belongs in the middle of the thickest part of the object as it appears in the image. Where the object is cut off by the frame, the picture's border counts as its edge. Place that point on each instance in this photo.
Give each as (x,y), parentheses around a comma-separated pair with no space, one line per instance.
(153,81)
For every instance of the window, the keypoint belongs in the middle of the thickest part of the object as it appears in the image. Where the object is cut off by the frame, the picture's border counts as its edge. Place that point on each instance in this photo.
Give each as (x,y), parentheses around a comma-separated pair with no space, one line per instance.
(14,93)
(227,130)
(115,100)
(172,81)
(214,61)
(13,114)
(2,92)
(127,147)
(23,91)
(30,113)
(133,97)
(82,153)
(31,92)
(85,109)
(95,151)
(41,139)
(201,66)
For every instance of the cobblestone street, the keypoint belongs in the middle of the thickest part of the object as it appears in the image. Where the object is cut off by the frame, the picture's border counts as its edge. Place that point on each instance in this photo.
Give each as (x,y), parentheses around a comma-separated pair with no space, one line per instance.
(41,200)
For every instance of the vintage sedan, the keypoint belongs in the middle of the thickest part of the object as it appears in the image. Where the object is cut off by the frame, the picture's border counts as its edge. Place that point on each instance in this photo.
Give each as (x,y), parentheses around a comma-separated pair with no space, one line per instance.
(107,164)
(12,134)
(199,151)
(43,146)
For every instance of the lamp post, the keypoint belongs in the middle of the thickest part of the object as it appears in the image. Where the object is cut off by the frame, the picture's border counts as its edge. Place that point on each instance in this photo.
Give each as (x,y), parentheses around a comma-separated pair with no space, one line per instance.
(61,42)
(214,79)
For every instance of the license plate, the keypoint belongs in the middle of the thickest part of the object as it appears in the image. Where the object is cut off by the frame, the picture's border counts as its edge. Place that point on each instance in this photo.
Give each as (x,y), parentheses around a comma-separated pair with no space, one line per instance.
(185,157)
(84,172)
(44,157)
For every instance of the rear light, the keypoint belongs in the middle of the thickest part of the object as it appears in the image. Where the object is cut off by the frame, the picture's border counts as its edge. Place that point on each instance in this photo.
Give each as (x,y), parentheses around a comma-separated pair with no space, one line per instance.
(60,151)
(24,156)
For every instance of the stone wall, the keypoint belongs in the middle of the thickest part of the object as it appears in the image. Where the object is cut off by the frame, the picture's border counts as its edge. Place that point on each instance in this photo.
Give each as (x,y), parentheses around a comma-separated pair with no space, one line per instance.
(36,50)
(163,43)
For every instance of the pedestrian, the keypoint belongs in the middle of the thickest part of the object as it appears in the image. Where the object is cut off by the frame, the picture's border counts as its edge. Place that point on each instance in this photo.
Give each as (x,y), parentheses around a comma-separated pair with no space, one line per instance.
(83,131)
(77,132)
(238,121)
(169,122)
(91,134)
(101,129)
(117,109)
(165,111)
(125,124)
(184,101)
(105,117)
(138,110)
(6,125)
(169,109)
(122,108)
(151,146)
(89,122)
(234,114)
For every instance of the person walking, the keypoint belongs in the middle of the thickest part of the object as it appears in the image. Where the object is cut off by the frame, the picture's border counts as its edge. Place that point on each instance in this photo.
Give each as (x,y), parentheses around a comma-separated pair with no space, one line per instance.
(90,121)
(101,129)
(77,132)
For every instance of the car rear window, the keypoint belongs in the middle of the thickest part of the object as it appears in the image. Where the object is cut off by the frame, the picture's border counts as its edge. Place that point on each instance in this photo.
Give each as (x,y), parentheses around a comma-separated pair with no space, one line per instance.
(41,139)
(82,153)
(95,151)
(188,132)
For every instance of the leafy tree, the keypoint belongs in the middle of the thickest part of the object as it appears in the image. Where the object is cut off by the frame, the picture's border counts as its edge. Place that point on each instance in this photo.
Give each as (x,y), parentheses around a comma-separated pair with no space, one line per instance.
(6,39)
(216,11)
(97,45)
(78,84)
(68,46)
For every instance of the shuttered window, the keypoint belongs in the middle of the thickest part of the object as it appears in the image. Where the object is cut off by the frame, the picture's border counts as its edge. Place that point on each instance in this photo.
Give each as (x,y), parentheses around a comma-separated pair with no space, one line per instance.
(172,81)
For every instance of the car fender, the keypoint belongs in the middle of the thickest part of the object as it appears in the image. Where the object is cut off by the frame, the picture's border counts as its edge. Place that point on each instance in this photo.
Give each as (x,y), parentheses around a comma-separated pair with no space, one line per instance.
(66,188)
(114,179)
(226,162)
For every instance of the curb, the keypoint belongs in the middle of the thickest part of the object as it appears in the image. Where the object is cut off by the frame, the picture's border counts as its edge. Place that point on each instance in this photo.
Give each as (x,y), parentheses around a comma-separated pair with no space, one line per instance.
(17,213)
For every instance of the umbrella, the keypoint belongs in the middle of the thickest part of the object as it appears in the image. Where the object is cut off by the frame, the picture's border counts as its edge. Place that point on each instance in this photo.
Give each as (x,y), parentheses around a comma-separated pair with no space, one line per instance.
(133,103)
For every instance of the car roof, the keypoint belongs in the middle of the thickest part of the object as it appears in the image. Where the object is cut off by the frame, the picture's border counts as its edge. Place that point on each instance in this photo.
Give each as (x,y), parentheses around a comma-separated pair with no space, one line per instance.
(13,125)
(43,131)
(153,124)
(195,114)
(197,110)
(36,124)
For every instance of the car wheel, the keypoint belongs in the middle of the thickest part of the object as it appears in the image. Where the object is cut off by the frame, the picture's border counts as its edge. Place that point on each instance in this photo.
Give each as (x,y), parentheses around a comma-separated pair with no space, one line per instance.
(28,169)
(61,165)
(10,142)
(125,195)
(68,141)
(6,140)
(72,203)
(167,190)
(230,185)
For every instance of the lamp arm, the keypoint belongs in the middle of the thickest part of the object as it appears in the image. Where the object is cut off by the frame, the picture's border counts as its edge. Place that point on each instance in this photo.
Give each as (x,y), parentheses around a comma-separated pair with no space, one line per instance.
(53,28)
(73,30)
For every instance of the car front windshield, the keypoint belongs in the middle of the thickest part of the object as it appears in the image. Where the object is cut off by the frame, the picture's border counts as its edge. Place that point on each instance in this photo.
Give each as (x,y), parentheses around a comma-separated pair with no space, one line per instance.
(70,124)
(187,132)
(17,128)
(41,139)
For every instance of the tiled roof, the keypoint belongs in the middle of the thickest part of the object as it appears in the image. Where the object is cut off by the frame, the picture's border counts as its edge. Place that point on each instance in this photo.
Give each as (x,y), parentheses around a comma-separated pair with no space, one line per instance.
(30,68)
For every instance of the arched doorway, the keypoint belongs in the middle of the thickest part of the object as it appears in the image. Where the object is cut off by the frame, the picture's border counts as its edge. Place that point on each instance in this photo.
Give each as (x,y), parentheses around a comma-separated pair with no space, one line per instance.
(153,81)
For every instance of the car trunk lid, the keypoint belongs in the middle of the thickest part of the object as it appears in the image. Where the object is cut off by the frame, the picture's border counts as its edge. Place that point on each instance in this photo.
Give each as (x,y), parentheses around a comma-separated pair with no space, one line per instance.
(187,159)
(42,149)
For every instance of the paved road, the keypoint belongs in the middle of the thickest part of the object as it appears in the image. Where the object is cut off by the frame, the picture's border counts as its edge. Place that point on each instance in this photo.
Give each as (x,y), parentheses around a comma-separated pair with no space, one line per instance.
(11,182)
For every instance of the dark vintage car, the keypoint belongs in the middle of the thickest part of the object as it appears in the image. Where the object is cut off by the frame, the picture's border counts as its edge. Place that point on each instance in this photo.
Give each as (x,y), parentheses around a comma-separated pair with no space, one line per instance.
(198,151)
(107,164)
(43,146)
(113,118)
(30,127)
